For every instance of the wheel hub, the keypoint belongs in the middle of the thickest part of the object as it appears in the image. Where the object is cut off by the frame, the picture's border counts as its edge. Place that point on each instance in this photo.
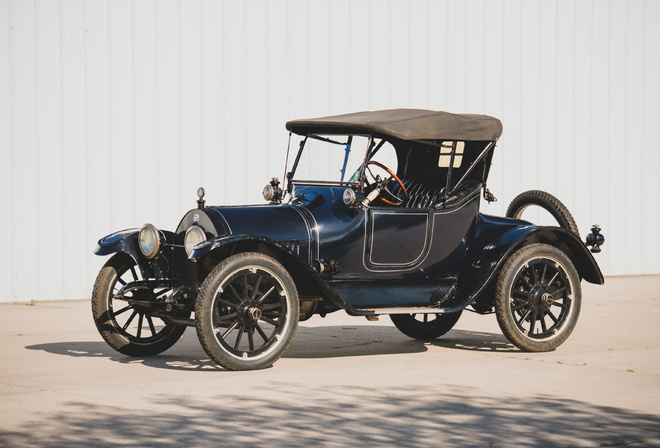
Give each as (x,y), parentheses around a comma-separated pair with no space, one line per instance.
(254,313)
(249,312)
(547,299)
(541,299)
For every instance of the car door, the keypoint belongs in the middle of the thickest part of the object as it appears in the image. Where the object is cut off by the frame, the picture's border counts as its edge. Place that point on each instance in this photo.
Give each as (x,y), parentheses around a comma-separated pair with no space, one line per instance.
(396,239)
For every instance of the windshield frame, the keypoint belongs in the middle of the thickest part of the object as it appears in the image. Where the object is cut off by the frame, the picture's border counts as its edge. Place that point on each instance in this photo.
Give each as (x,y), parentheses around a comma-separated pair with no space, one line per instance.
(328,138)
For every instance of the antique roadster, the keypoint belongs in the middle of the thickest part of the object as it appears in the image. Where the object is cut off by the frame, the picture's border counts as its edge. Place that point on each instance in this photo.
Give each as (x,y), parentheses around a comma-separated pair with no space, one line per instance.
(378,214)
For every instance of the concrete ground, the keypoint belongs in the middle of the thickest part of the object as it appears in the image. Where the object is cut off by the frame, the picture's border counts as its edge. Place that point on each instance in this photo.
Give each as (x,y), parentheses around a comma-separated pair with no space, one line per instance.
(344,382)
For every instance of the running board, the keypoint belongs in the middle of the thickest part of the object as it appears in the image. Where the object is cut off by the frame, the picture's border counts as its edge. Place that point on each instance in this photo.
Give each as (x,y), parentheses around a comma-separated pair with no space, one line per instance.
(385,311)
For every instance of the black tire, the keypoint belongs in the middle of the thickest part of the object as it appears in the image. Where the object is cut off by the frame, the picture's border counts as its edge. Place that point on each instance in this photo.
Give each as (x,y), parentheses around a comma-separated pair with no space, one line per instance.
(546,201)
(247,312)
(425,326)
(538,298)
(126,327)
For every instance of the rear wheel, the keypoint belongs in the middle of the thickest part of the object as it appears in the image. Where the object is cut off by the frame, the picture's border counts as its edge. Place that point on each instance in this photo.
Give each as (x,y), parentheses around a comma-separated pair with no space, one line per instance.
(425,326)
(538,298)
(123,321)
(247,312)
(531,199)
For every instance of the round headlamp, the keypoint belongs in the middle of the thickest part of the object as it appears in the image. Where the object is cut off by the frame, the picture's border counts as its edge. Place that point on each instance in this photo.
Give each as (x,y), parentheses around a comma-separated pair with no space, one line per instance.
(268,192)
(349,196)
(149,240)
(194,236)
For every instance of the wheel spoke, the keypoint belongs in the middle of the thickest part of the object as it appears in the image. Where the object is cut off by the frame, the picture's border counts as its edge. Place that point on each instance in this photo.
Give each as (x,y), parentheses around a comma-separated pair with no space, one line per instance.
(269,320)
(151,325)
(250,333)
(545,268)
(535,275)
(531,325)
(135,277)
(274,306)
(226,317)
(520,305)
(238,337)
(256,288)
(139,326)
(526,281)
(263,297)
(560,304)
(234,293)
(245,287)
(558,293)
(524,316)
(226,303)
(552,316)
(260,331)
(123,310)
(130,319)
(231,328)
(520,293)
(543,325)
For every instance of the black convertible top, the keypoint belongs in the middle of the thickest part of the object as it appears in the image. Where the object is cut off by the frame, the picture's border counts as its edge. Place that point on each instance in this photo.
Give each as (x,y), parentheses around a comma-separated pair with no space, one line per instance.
(404,124)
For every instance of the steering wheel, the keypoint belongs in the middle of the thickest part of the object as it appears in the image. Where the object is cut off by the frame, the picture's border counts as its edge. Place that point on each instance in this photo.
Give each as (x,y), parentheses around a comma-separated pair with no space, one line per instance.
(382,185)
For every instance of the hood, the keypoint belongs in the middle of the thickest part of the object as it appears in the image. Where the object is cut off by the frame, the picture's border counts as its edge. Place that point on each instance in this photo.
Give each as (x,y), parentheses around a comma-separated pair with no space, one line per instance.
(283,223)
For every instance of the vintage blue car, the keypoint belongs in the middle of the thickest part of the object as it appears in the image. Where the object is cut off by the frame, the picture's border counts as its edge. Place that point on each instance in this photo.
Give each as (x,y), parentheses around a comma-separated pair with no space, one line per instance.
(378,214)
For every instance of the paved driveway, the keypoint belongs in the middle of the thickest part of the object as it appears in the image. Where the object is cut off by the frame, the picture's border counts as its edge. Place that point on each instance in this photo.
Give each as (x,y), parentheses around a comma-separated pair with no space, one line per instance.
(344,382)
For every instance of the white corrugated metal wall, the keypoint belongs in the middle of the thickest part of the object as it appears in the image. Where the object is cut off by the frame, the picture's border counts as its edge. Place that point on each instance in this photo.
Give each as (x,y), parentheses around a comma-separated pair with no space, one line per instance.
(113,112)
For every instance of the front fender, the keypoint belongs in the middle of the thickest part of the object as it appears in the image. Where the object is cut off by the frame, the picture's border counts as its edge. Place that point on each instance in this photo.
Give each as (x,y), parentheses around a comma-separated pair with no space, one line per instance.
(122,241)
(126,241)
(308,281)
(487,265)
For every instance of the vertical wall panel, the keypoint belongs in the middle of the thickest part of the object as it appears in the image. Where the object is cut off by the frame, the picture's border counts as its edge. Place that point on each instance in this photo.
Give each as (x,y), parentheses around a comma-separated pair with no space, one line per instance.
(49,196)
(144,98)
(7,171)
(212,172)
(277,73)
(25,131)
(633,126)
(617,154)
(98,134)
(583,151)
(113,112)
(650,158)
(190,87)
(168,109)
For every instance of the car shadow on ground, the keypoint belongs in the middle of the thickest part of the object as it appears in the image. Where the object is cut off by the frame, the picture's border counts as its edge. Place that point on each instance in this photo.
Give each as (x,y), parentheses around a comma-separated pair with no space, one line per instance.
(308,415)
(309,343)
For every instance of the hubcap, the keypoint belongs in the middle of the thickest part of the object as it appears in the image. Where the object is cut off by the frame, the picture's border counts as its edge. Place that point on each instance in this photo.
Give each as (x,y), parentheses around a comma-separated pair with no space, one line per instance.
(540,299)
(254,313)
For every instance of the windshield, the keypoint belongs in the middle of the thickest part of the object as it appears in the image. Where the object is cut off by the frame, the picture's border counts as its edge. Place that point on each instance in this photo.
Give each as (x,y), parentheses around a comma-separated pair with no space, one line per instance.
(331,158)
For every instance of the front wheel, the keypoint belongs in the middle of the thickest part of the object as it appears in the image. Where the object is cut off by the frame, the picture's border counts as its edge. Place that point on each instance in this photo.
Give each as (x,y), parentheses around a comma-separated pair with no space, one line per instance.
(247,312)
(124,320)
(538,298)
(425,326)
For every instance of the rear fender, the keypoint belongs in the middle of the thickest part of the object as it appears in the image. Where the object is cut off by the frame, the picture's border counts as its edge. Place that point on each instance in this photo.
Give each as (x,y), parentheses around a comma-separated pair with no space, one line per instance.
(126,241)
(485,267)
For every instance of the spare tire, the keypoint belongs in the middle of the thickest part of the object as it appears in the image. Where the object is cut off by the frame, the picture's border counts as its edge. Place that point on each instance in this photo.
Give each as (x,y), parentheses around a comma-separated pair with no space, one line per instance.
(546,201)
